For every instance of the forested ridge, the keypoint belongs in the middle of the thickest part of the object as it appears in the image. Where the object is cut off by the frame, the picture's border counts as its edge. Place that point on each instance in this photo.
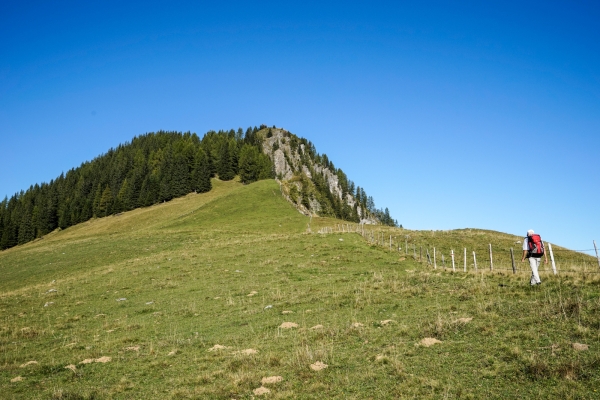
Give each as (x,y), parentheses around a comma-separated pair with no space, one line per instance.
(157,167)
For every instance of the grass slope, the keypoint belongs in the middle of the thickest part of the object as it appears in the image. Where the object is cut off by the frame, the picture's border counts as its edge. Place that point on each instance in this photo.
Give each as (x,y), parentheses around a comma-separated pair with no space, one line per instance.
(223,267)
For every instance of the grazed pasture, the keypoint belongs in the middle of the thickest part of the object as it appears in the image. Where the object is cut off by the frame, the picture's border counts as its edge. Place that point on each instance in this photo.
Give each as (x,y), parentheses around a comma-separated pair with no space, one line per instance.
(228,295)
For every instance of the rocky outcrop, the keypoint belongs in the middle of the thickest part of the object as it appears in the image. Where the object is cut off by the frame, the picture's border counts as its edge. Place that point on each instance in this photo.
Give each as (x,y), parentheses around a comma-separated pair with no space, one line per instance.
(294,169)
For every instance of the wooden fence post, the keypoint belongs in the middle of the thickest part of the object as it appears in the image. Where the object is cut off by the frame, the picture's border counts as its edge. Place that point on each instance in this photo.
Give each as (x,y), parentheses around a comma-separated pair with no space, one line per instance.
(475,261)
(428,258)
(512,257)
(552,258)
(406,245)
(434,262)
(414,252)
(452,254)
(491,260)
(595,248)
(465,259)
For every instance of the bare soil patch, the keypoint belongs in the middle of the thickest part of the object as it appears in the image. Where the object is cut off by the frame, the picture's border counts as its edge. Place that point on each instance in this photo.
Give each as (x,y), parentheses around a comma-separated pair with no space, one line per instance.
(386,322)
(314,328)
(357,325)
(132,348)
(287,312)
(318,366)
(217,347)
(28,363)
(271,380)
(72,367)
(427,342)
(17,379)
(260,391)
(580,346)
(463,320)
(288,325)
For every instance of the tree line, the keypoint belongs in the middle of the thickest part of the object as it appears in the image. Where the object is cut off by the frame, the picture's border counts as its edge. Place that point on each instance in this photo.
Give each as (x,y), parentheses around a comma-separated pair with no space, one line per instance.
(153,168)
(157,167)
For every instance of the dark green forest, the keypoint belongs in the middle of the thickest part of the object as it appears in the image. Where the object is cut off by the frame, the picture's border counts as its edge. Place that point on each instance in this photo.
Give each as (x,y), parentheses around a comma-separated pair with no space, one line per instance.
(157,167)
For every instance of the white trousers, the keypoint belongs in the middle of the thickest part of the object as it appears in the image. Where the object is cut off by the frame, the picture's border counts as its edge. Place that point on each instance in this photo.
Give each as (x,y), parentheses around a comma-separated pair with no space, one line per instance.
(534,263)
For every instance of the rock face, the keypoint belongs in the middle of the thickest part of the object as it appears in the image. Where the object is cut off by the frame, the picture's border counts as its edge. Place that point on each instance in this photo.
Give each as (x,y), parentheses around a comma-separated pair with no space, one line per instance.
(295,171)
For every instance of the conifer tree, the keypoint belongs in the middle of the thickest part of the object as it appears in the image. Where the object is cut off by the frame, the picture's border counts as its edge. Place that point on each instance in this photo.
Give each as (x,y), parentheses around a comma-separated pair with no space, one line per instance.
(123,200)
(106,202)
(224,169)
(26,230)
(201,173)
(248,164)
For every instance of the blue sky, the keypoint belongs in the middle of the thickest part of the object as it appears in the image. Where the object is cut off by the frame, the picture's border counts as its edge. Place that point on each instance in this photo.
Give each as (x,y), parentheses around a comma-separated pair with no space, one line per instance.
(478,114)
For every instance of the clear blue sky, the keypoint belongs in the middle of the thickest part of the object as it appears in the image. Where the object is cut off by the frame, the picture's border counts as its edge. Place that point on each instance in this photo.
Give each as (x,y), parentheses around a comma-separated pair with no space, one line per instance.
(478,114)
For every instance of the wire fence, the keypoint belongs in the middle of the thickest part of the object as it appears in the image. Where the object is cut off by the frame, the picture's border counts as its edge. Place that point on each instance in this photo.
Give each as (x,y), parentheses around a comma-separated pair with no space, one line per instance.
(500,256)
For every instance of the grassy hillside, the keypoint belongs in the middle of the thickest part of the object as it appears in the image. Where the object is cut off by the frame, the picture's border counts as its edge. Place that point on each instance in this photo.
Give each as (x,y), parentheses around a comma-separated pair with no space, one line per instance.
(147,295)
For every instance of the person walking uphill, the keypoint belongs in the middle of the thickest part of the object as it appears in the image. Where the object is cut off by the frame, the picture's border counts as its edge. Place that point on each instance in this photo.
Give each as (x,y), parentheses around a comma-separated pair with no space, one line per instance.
(533,249)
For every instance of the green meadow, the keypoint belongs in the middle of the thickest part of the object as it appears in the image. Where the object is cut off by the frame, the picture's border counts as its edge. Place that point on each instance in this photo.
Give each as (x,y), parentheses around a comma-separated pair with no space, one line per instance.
(207,295)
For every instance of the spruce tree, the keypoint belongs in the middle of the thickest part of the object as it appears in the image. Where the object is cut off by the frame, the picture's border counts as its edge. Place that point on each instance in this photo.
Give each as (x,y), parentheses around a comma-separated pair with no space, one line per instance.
(123,200)
(248,164)
(106,202)
(201,173)
(224,169)
(26,230)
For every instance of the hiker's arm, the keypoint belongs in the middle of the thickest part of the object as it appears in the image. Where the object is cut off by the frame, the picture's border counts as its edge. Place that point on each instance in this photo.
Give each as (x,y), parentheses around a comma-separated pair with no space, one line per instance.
(524,255)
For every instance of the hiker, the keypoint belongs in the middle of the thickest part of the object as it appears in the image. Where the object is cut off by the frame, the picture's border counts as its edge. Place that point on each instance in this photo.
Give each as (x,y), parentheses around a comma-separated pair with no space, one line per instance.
(533,249)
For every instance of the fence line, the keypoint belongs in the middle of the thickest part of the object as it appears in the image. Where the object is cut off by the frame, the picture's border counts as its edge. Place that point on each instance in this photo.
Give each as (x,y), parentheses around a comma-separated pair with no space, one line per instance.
(502,256)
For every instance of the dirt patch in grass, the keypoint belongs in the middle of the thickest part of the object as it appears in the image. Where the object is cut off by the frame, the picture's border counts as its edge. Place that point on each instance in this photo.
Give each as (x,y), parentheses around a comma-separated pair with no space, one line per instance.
(260,391)
(357,325)
(386,322)
(580,346)
(72,367)
(271,380)
(17,379)
(102,360)
(463,320)
(132,348)
(428,342)
(217,347)
(316,327)
(318,366)
(287,312)
(288,325)
(28,363)
(249,352)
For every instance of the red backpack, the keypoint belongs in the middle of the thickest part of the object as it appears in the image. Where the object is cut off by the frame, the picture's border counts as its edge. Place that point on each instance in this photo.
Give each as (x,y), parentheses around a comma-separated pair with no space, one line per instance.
(536,246)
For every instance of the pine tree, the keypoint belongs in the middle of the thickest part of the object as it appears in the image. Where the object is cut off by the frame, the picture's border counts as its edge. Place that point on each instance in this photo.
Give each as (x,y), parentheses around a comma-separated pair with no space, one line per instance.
(26,229)
(201,173)
(224,169)
(248,164)
(123,200)
(266,168)
(106,202)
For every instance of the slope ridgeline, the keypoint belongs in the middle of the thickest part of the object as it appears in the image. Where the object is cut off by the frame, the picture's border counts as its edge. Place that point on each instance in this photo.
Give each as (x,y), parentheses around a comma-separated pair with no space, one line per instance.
(157,167)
